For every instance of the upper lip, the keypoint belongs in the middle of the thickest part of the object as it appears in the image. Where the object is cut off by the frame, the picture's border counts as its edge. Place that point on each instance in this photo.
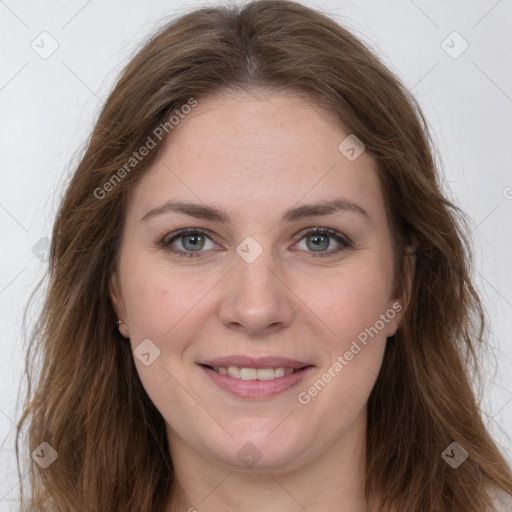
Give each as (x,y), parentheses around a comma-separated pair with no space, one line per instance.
(255,362)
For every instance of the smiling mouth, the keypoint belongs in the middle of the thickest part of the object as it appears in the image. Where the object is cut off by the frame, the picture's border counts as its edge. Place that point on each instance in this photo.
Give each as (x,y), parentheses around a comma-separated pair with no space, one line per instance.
(243,373)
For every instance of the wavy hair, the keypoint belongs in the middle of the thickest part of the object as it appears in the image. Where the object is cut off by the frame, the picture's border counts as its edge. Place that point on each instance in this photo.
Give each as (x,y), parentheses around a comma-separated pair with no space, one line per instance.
(84,396)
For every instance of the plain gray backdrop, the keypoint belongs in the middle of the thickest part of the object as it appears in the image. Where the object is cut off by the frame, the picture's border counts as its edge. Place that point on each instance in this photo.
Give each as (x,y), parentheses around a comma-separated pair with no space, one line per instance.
(61,58)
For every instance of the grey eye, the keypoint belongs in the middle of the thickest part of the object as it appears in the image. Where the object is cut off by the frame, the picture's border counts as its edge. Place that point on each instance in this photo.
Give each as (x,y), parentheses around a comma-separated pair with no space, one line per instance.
(318,242)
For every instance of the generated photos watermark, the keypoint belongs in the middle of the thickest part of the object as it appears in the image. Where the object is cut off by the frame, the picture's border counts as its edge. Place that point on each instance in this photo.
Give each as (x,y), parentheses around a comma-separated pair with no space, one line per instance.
(144,150)
(304,397)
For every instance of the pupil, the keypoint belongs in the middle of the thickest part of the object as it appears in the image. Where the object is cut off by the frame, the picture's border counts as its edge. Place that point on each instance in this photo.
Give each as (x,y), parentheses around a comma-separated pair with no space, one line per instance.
(196,244)
(317,237)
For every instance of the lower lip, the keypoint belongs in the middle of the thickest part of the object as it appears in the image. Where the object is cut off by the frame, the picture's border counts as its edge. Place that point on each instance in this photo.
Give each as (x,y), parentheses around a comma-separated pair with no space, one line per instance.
(256,388)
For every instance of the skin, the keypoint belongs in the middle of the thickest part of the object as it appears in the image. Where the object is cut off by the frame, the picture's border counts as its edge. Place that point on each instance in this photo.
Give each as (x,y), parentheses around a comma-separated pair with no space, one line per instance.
(256,155)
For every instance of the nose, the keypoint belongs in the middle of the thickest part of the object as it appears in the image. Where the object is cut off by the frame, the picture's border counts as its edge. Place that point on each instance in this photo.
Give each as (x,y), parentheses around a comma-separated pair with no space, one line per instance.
(256,299)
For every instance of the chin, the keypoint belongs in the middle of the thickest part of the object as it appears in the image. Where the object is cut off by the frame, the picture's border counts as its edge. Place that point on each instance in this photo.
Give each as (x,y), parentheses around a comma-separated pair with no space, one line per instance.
(256,449)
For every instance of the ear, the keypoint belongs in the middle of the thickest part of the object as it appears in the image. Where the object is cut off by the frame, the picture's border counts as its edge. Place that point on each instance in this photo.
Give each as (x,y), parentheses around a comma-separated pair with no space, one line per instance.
(402,291)
(116,296)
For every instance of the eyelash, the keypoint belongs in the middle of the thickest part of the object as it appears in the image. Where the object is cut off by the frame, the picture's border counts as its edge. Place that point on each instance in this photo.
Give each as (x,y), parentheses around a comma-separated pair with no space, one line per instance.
(342,239)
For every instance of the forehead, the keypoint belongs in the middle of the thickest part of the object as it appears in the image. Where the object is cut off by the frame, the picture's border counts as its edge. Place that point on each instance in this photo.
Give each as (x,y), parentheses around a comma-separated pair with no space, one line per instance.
(257,150)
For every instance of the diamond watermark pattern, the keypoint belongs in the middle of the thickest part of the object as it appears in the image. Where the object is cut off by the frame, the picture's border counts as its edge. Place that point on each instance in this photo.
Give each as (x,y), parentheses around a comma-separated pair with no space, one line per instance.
(42,249)
(249,249)
(249,455)
(44,455)
(44,45)
(454,455)
(146,352)
(351,147)
(454,45)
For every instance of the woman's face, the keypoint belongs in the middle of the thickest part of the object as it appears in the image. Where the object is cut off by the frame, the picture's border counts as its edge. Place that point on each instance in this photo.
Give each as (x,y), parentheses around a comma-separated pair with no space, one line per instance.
(250,289)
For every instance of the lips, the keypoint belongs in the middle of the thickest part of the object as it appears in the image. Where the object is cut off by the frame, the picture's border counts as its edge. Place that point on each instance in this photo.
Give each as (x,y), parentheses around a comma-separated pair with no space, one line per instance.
(255,377)
(255,362)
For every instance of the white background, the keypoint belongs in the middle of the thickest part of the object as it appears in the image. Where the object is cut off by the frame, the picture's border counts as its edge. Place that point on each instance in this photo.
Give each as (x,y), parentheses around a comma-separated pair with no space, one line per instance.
(48,107)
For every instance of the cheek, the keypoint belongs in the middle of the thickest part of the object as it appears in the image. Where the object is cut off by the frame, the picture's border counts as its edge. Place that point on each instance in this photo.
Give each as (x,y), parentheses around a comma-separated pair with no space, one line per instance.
(159,299)
(350,301)
(149,306)
(354,306)
(339,392)
(165,308)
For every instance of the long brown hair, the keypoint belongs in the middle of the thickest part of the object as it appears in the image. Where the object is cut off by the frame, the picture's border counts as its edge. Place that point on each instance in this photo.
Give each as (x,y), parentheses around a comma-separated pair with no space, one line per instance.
(84,395)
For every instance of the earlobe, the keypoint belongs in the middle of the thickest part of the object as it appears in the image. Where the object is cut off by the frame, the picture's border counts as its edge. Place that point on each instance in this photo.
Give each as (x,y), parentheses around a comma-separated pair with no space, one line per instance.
(408,274)
(116,298)
(116,295)
(402,298)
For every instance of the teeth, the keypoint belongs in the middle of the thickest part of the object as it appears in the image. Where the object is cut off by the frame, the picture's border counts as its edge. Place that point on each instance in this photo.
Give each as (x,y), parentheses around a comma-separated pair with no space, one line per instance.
(253,373)
(265,374)
(279,372)
(248,373)
(234,372)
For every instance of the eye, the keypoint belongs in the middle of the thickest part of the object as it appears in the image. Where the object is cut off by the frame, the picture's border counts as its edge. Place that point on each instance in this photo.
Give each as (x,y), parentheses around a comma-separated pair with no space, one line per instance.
(320,238)
(193,240)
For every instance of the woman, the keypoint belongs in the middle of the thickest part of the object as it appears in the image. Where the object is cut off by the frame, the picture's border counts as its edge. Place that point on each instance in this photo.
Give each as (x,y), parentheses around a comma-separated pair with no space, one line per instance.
(259,299)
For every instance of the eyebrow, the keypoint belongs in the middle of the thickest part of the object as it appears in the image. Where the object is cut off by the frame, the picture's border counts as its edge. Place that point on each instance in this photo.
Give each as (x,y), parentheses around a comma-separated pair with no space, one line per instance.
(211,213)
